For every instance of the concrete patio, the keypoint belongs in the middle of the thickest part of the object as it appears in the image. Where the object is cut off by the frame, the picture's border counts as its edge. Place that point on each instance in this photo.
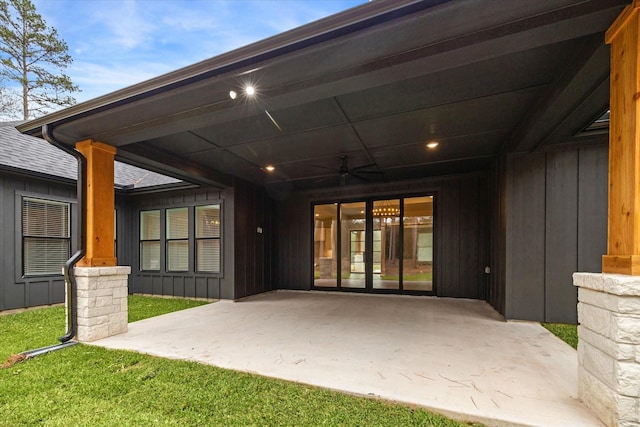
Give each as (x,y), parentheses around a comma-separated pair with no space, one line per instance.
(454,356)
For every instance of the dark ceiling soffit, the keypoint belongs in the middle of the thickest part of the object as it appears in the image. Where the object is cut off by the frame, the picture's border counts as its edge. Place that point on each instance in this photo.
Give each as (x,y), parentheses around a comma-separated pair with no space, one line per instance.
(508,29)
(588,67)
(160,161)
(356,19)
(128,191)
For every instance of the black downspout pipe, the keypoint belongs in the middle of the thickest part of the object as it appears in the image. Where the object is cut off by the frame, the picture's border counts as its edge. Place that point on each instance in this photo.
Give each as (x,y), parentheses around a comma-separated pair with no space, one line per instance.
(69,275)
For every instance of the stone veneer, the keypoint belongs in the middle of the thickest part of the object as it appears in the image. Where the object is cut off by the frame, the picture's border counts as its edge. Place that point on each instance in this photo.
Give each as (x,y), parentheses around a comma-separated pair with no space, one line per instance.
(102,301)
(609,346)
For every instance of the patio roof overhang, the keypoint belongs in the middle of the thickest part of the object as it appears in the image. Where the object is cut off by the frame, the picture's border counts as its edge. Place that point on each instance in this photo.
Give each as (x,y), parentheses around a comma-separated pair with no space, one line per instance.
(375,83)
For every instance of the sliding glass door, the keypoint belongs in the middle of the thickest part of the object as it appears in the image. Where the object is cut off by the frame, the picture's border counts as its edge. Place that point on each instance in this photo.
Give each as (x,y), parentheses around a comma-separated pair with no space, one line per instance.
(387,249)
(375,245)
(354,242)
(417,260)
(325,246)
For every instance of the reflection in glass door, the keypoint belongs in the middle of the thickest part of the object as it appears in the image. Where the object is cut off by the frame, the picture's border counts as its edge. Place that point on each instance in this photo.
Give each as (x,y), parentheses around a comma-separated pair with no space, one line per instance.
(325,248)
(353,237)
(417,266)
(375,245)
(386,244)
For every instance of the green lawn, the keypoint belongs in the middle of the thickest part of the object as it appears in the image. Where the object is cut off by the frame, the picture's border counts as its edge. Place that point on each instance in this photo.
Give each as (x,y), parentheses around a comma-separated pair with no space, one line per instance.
(90,386)
(567,333)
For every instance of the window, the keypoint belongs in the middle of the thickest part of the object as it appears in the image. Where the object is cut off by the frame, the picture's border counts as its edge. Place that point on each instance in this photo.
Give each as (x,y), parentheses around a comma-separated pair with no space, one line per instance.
(177,235)
(46,240)
(208,238)
(150,240)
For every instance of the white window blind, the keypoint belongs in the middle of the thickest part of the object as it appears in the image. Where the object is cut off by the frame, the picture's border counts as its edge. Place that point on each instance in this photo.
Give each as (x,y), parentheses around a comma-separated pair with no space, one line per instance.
(150,225)
(150,240)
(178,239)
(46,243)
(208,225)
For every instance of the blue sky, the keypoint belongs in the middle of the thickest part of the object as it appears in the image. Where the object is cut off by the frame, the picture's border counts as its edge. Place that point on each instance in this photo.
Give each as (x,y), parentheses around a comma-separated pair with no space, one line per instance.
(117,43)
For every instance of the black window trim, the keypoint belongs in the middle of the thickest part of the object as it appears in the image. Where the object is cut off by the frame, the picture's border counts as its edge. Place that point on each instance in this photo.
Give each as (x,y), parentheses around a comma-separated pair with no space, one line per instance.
(192,267)
(20,278)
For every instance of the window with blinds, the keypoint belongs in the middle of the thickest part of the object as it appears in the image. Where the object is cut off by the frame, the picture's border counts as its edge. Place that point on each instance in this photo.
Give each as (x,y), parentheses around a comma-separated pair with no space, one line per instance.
(150,240)
(46,240)
(177,236)
(208,238)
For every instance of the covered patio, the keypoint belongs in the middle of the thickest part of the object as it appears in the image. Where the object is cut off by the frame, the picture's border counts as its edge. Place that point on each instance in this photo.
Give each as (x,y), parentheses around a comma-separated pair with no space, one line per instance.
(455,356)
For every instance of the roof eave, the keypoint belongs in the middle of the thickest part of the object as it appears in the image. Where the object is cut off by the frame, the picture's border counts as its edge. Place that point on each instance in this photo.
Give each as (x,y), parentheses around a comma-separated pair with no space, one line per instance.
(355,19)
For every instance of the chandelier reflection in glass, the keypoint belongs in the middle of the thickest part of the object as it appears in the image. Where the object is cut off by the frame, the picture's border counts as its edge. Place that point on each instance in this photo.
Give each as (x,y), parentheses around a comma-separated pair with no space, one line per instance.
(385,210)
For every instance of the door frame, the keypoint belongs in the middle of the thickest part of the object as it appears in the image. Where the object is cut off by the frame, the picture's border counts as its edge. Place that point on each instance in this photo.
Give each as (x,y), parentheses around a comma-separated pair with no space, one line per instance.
(368,259)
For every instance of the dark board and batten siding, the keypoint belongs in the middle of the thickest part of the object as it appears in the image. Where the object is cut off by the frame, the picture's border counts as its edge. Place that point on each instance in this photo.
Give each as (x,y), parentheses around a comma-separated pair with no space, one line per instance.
(247,263)
(459,238)
(182,284)
(460,257)
(17,291)
(253,235)
(556,225)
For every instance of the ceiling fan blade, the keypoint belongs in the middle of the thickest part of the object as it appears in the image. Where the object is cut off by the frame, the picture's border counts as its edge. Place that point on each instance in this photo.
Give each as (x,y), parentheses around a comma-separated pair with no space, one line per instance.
(373,172)
(363,167)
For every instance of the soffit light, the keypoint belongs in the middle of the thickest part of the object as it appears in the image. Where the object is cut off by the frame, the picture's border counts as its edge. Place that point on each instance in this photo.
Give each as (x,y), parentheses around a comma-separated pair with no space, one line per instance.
(269,168)
(248,90)
(432,144)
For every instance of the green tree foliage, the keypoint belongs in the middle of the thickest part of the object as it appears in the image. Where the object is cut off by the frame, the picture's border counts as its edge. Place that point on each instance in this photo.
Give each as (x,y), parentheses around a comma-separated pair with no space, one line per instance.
(33,58)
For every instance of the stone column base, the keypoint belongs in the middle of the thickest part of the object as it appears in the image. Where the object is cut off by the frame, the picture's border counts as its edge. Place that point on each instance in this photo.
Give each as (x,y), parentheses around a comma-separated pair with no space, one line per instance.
(609,346)
(102,302)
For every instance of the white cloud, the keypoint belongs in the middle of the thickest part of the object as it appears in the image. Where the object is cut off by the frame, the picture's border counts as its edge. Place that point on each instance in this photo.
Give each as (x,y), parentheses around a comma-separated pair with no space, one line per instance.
(99,79)
(117,43)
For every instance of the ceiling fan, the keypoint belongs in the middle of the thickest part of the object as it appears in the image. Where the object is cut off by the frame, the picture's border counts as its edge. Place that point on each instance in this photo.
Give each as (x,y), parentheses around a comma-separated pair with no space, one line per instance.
(345,171)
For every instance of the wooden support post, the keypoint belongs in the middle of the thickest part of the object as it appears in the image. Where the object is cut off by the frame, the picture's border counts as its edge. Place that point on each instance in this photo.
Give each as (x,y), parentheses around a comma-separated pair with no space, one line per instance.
(100,194)
(623,248)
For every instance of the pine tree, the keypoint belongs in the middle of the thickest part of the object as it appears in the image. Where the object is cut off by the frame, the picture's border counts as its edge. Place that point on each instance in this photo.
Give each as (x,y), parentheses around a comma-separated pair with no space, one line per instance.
(33,57)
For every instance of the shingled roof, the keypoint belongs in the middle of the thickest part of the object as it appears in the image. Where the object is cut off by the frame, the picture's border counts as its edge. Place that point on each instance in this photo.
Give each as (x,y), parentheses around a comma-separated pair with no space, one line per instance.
(36,156)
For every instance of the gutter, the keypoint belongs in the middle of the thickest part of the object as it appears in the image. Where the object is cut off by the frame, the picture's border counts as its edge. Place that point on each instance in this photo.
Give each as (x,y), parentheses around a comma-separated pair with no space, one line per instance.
(69,276)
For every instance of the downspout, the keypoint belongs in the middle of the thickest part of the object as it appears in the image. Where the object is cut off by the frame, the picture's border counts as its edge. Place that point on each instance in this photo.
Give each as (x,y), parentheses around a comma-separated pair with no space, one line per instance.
(69,276)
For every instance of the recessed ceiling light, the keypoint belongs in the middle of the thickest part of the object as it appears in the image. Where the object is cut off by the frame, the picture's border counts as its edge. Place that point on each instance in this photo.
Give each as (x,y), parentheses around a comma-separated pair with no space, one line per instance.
(250,90)
(432,144)
(233,94)
(269,168)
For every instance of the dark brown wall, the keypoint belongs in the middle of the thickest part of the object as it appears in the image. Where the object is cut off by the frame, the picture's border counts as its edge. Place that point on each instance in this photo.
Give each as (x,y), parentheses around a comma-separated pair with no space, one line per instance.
(187,284)
(460,242)
(496,234)
(461,255)
(251,252)
(556,225)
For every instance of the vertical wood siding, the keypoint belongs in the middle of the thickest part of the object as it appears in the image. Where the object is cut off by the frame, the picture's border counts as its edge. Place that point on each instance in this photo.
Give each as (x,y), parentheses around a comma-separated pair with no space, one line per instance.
(459,241)
(252,259)
(182,284)
(15,291)
(556,225)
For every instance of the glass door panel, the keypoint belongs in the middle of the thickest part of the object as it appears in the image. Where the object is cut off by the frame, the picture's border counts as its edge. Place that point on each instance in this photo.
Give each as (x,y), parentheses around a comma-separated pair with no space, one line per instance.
(325,248)
(417,266)
(353,243)
(386,244)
